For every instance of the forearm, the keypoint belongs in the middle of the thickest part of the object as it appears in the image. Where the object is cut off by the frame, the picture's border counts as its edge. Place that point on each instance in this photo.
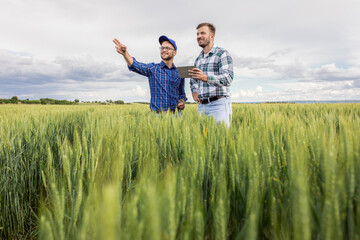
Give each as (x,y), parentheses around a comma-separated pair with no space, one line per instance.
(128,59)
(194,85)
(223,80)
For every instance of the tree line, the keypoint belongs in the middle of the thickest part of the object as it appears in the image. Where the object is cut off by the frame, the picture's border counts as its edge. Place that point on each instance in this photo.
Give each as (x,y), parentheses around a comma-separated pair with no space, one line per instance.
(44,101)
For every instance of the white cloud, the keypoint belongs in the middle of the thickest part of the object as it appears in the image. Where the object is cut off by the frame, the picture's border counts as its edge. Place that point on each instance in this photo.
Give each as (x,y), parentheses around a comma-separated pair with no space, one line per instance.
(274,67)
(49,46)
(107,91)
(77,68)
(303,91)
(248,94)
(330,72)
(68,78)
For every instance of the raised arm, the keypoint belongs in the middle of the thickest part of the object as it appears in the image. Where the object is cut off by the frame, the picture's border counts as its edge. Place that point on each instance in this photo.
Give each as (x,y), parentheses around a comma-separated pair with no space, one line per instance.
(122,49)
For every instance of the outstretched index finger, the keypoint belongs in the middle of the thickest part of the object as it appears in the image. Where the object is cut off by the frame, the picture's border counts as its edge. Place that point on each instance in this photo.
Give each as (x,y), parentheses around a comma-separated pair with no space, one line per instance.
(116,41)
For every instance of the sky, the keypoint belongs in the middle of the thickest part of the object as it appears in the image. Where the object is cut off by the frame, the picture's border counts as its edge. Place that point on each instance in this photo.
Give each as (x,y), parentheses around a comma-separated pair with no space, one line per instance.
(282,50)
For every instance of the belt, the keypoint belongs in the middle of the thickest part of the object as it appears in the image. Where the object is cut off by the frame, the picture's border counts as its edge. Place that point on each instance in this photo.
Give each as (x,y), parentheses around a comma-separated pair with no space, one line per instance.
(210,99)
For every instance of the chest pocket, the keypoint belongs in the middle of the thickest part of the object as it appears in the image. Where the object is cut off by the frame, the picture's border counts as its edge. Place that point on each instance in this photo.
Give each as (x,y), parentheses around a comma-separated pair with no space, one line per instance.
(175,80)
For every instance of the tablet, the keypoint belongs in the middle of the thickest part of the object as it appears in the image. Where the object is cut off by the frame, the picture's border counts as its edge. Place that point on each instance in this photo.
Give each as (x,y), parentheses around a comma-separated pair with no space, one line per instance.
(183,71)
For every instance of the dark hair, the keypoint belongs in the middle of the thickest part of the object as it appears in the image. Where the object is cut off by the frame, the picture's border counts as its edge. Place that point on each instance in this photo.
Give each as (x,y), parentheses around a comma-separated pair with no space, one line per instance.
(210,25)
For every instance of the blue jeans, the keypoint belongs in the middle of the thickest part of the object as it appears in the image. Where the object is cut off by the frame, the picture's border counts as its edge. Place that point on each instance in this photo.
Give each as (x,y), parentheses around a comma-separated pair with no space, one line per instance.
(220,110)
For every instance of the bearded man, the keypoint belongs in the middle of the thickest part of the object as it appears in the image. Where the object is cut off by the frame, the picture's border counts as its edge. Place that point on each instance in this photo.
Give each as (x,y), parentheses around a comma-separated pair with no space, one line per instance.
(166,87)
(212,77)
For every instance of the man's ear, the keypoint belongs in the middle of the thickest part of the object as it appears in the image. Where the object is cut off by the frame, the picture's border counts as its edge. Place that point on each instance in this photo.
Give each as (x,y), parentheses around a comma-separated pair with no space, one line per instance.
(212,36)
(175,52)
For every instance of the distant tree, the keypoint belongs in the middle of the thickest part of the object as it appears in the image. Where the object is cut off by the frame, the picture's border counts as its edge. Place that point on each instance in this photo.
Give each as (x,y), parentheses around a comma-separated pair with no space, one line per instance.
(76,100)
(35,102)
(14,99)
(43,101)
(5,101)
(119,102)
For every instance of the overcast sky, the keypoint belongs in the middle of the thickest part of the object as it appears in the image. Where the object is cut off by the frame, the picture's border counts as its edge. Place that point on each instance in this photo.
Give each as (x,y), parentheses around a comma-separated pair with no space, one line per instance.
(282,50)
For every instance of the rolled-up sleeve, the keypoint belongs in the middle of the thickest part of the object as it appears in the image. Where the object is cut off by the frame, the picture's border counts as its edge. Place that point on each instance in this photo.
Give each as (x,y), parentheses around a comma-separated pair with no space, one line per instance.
(141,68)
(194,85)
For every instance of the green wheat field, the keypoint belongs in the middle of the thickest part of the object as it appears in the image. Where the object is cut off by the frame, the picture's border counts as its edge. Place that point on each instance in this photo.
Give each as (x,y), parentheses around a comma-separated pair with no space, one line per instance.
(281,171)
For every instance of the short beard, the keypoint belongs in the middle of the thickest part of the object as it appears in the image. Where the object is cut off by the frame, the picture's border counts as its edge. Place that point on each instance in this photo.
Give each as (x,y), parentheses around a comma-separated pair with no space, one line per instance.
(167,58)
(204,44)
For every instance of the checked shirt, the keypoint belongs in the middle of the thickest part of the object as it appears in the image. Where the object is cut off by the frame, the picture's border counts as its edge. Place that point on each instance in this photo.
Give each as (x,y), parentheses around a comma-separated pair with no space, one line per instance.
(218,66)
(166,86)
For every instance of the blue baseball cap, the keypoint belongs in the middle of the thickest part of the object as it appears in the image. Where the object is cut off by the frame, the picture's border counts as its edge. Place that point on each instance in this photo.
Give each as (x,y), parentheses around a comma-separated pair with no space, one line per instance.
(165,38)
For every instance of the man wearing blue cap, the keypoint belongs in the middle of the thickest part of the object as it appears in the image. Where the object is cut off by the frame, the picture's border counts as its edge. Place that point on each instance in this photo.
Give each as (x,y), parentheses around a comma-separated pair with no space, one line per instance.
(166,87)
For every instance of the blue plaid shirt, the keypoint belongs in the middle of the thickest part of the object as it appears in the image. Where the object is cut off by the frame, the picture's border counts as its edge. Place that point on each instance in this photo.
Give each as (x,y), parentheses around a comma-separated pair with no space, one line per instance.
(166,86)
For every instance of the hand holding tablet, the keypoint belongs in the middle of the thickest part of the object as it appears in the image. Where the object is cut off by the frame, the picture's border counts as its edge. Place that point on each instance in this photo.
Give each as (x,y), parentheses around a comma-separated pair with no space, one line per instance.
(184,71)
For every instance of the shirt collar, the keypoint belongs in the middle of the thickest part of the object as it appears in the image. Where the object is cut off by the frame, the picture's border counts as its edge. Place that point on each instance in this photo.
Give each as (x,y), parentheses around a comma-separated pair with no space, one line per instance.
(212,51)
(162,64)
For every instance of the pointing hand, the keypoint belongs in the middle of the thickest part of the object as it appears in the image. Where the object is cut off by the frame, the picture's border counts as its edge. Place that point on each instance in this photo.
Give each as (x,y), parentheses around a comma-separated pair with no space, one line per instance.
(120,48)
